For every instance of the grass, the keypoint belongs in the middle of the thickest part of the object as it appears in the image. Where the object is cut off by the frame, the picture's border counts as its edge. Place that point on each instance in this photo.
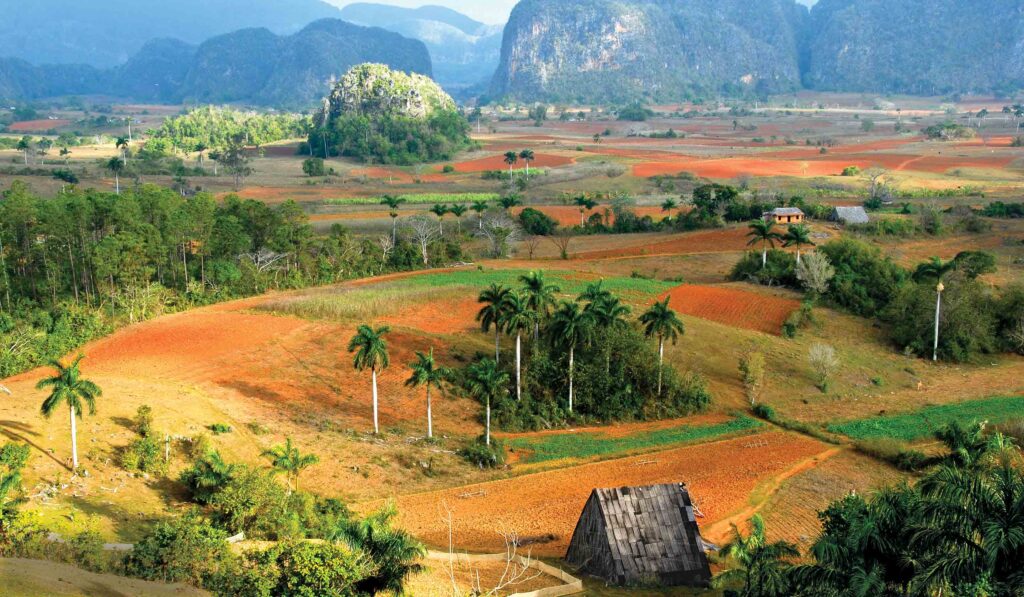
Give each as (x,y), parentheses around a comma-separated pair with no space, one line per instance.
(587,445)
(569,282)
(418,199)
(926,421)
(361,304)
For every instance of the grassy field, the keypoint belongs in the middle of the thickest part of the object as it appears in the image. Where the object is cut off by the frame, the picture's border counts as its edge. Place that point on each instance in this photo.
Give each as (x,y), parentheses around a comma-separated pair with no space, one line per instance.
(925,422)
(582,446)
(418,199)
(568,281)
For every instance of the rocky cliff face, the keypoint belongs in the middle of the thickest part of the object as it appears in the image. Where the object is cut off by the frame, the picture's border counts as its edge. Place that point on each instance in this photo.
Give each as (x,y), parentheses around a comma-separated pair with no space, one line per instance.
(614,50)
(922,47)
(374,90)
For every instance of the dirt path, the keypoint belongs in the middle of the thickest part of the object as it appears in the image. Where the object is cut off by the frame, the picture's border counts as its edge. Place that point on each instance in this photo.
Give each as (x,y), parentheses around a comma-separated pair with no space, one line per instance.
(718,532)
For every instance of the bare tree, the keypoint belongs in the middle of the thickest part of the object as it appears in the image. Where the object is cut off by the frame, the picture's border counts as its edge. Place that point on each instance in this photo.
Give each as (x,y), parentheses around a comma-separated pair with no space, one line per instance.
(815,272)
(562,239)
(878,187)
(424,231)
(752,370)
(824,362)
(532,242)
(500,230)
(387,244)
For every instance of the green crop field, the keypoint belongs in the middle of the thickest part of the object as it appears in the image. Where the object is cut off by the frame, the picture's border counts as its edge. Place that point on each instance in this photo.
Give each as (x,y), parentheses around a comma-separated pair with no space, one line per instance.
(588,445)
(568,282)
(925,422)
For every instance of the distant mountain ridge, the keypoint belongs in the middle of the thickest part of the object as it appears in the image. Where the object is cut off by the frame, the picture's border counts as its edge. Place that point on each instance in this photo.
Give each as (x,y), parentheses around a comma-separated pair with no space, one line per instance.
(252,66)
(465,52)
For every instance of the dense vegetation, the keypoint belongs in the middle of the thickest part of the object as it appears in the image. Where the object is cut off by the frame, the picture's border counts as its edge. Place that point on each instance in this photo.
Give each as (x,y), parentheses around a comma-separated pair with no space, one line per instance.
(209,127)
(74,266)
(393,139)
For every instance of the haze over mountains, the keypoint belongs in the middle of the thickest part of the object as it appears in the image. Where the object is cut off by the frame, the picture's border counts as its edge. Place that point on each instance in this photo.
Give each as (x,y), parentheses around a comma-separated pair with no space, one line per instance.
(267,52)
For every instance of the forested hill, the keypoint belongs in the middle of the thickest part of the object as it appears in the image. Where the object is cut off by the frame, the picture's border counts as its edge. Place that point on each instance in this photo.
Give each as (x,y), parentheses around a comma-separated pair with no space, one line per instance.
(253,66)
(613,50)
(106,33)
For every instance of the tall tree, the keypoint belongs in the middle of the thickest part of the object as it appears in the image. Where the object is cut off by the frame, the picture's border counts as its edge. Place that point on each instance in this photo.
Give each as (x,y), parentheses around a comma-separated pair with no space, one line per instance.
(68,387)
(662,322)
(540,297)
(585,204)
(480,206)
(494,299)
(439,210)
(511,158)
(763,231)
(122,144)
(935,271)
(571,326)
(427,373)
(799,236)
(486,382)
(393,204)
(527,156)
(371,352)
(116,166)
(289,460)
(760,565)
(458,210)
(518,318)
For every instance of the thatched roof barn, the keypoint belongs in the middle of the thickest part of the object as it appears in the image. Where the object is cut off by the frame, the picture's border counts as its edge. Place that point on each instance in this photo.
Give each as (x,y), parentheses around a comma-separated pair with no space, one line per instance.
(850,215)
(640,536)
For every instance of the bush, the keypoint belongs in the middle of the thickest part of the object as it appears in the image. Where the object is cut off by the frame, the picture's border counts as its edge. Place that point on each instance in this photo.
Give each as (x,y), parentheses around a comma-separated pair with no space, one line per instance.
(143,423)
(144,455)
(865,281)
(187,549)
(779,271)
(763,411)
(327,569)
(252,501)
(314,167)
(478,453)
(220,428)
(448,169)
(851,171)
(893,452)
(537,222)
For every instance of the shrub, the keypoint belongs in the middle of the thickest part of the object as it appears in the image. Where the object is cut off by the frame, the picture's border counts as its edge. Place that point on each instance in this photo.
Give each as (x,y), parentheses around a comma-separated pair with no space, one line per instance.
(291,568)
(851,171)
(864,281)
(478,453)
(780,269)
(448,169)
(537,223)
(253,502)
(752,370)
(144,455)
(187,549)
(87,551)
(824,363)
(143,423)
(314,167)
(893,452)
(220,428)
(763,411)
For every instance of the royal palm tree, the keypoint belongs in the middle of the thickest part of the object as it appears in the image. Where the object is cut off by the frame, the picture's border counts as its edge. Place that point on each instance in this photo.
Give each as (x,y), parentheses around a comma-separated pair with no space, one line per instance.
(288,460)
(595,292)
(518,318)
(395,553)
(585,204)
(116,166)
(480,206)
(427,373)
(763,231)
(486,382)
(511,158)
(393,204)
(540,297)
(439,210)
(458,211)
(200,149)
(495,301)
(68,387)
(65,154)
(761,566)
(527,156)
(371,352)
(208,475)
(571,326)
(25,146)
(608,313)
(797,235)
(662,322)
(509,201)
(935,270)
(122,145)
(669,206)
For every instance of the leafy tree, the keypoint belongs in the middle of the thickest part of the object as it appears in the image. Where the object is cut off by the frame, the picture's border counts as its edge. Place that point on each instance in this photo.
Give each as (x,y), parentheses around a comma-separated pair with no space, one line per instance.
(186,549)
(662,322)
(314,167)
(236,161)
(537,222)
(518,317)
(759,564)
(288,460)
(68,387)
(427,373)
(487,383)
(762,231)
(864,281)
(371,352)
(797,235)
(571,326)
(585,204)
(394,552)
(301,568)
(495,304)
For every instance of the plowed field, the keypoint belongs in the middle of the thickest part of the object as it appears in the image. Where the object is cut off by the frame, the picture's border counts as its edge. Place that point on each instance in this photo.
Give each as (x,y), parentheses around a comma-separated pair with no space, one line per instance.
(750,310)
(710,241)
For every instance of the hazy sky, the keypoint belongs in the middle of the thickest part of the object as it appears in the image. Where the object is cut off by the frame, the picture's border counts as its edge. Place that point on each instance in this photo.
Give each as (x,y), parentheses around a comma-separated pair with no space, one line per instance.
(486,11)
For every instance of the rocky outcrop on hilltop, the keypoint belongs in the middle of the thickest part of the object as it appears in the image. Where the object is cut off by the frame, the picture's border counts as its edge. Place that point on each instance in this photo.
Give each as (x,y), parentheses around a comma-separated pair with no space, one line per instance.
(375,90)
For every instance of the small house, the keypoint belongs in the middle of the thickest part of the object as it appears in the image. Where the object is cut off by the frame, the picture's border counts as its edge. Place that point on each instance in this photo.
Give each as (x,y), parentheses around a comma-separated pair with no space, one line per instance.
(640,536)
(785,215)
(850,215)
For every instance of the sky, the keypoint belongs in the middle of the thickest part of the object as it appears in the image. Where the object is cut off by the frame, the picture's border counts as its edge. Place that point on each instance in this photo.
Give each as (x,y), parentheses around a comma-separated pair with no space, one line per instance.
(485,11)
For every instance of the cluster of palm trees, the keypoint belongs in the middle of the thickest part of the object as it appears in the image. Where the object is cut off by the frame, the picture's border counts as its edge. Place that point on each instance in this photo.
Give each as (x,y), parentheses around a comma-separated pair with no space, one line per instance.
(959,531)
(763,232)
(512,158)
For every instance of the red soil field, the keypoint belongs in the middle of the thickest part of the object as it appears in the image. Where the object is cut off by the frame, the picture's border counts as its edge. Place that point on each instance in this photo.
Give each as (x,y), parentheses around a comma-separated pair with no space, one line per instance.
(437,317)
(710,241)
(737,308)
(31,126)
(721,477)
(569,215)
(497,162)
(733,167)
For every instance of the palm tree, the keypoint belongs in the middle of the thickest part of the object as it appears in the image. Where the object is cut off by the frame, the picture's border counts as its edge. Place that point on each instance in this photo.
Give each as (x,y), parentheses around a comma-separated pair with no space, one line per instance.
(393,203)
(426,372)
(65,153)
(935,270)
(570,327)
(518,318)
(116,166)
(763,231)
(761,566)
(527,156)
(495,300)
(486,382)
(439,210)
(595,293)
(68,387)
(585,204)
(668,206)
(395,553)
(797,235)
(511,158)
(208,475)
(24,146)
(540,297)
(200,149)
(663,322)
(371,353)
(122,144)
(608,313)
(480,206)
(458,211)
(288,460)
(509,201)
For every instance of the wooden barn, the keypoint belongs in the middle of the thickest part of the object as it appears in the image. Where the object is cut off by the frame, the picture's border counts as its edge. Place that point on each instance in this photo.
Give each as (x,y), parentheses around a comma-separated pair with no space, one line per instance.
(640,536)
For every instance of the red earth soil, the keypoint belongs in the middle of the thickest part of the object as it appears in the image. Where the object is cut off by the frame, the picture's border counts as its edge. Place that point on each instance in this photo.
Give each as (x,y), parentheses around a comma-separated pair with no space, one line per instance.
(728,240)
(738,308)
(30,126)
(569,215)
(437,317)
(721,476)
(497,162)
(733,167)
